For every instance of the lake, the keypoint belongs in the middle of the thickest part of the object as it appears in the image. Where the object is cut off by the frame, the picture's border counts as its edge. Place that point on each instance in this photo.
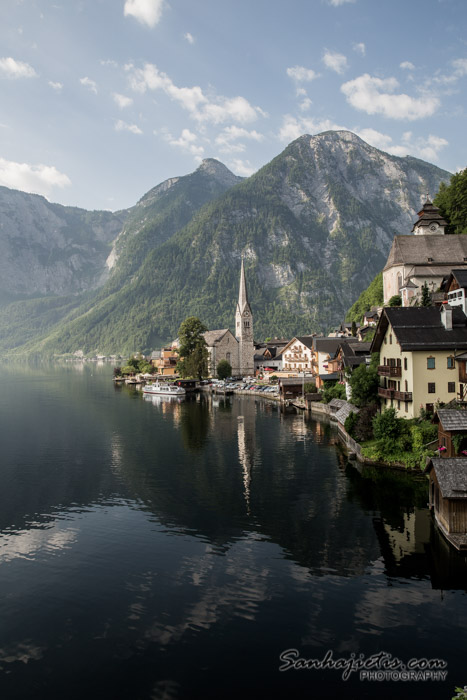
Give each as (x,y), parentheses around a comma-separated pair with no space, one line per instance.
(151,548)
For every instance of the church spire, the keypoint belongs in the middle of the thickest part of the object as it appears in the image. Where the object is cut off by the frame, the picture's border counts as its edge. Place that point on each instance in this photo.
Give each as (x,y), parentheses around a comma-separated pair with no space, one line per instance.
(242,294)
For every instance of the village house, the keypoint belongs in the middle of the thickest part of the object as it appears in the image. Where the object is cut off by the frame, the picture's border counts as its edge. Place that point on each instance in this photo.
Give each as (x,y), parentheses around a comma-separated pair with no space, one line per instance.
(448,498)
(297,355)
(451,423)
(324,353)
(425,257)
(269,356)
(167,362)
(417,347)
(455,287)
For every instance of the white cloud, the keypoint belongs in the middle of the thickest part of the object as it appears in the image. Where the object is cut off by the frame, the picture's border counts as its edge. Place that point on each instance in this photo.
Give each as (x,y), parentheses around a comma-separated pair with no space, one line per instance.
(460,70)
(292,127)
(55,86)
(335,61)
(376,96)
(189,38)
(9,68)
(121,100)
(305,104)
(40,179)
(123,126)
(426,148)
(301,74)
(360,48)
(242,167)
(228,137)
(145,11)
(109,62)
(460,67)
(187,142)
(337,3)
(215,110)
(87,82)
(407,65)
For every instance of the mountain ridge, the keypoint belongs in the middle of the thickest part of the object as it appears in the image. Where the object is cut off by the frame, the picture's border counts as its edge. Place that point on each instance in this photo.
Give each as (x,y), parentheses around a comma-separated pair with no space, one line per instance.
(314,226)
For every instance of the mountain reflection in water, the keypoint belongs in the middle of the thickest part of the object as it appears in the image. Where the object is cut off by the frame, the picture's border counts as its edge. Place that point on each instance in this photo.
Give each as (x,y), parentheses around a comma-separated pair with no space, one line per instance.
(172,549)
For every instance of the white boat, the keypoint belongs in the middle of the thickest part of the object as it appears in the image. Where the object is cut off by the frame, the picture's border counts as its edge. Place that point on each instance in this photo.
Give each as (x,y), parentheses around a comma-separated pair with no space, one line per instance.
(164,388)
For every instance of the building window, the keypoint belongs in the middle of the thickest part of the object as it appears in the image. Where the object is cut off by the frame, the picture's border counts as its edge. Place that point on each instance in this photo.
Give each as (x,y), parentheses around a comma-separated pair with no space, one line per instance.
(405,363)
(431,388)
(406,406)
(398,405)
(451,362)
(451,387)
(385,340)
(390,339)
(430,363)
(406,385)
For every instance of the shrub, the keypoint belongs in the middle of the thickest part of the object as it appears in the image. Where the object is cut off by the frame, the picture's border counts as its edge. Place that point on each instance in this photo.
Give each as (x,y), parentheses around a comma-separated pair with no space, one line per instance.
(333,390)
(350,423)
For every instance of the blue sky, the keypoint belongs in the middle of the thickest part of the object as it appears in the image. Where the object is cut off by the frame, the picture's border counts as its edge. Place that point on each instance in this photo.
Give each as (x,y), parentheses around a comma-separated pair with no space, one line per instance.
(100,100)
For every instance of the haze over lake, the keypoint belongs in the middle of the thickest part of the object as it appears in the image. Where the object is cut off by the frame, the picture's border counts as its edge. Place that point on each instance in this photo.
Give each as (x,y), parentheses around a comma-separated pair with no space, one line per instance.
(165,549)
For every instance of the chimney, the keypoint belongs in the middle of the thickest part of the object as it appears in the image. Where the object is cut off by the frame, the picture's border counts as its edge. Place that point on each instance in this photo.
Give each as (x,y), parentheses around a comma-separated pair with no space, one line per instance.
(446,316)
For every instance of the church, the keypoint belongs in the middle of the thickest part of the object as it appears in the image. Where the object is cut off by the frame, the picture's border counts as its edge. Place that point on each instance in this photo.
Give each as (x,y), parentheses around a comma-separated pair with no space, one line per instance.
(427,256)
(238,349)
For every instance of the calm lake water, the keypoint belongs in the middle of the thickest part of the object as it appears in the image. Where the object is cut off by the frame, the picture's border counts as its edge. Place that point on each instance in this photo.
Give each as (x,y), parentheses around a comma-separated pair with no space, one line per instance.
(157,549)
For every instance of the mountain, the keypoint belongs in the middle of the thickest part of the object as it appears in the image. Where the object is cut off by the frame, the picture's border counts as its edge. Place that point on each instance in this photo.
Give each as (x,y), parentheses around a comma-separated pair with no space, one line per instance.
(51,249)
(47,237)
(314,226)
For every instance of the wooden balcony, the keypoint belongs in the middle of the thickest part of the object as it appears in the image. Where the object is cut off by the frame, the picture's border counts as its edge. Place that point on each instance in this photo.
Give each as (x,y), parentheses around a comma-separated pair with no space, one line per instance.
(387,371)
(385,393)
(403,395)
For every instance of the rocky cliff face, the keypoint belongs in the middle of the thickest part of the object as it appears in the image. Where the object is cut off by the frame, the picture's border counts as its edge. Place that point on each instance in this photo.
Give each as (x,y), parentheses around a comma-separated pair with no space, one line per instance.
(314,226)
(50,249)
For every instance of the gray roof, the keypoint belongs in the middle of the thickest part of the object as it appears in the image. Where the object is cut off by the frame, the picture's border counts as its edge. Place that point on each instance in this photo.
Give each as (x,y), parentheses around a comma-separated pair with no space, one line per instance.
(212,337)
(306,340)
(421,328)
(451,419)
(451,475)
(460,276)
(329,376)
(444,250)
(337,403)
(328,345)
(345,411)
(429,214)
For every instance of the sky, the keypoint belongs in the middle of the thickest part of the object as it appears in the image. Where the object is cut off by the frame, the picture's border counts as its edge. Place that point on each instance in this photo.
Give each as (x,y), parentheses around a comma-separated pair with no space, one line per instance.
(101,100)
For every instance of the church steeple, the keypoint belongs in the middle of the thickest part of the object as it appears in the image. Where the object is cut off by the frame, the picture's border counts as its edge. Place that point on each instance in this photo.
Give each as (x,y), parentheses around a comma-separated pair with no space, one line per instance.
(242,293)
(244,327)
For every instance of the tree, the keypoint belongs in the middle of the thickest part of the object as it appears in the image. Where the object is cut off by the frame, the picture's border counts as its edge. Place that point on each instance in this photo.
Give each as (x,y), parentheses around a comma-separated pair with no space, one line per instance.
(224,369)
(193,349)
(426,296)
(354,329)
(452,201)
(395,300)
(364,383)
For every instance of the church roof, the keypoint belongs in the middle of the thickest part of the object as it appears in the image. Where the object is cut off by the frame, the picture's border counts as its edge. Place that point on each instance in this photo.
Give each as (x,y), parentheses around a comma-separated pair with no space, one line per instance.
(242,293)
(416,250)
(213,337)
(429,214)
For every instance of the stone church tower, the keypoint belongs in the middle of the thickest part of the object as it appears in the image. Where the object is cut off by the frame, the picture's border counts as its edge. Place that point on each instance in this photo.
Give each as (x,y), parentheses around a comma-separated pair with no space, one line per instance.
(244,329)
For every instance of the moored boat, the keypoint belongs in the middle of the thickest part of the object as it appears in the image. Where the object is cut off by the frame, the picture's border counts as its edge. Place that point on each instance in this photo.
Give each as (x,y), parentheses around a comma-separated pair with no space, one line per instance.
(164,388)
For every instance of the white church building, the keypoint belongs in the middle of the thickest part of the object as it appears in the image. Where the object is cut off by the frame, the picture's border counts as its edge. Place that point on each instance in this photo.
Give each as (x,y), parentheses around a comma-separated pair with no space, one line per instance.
(238,349)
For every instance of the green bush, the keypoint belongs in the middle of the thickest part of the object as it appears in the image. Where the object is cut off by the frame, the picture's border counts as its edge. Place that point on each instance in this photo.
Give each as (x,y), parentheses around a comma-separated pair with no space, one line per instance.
(333,390)
(350,423)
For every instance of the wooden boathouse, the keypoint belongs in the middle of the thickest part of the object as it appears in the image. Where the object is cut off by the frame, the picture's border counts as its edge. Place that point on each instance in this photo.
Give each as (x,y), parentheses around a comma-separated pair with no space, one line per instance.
(448,498)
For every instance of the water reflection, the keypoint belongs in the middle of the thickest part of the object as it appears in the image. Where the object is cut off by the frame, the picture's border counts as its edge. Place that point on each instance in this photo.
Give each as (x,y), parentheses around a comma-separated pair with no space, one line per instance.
(139,537)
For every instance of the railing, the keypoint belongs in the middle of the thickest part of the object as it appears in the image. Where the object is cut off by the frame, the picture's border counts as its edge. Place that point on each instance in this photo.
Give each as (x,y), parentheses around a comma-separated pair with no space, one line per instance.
(385,393)
(403,395)
(388,371)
